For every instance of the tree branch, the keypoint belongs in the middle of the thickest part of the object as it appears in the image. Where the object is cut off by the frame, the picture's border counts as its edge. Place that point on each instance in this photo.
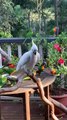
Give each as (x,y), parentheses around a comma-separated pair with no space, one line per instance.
(41,91)
(50,101)
(59,105)
(5,54)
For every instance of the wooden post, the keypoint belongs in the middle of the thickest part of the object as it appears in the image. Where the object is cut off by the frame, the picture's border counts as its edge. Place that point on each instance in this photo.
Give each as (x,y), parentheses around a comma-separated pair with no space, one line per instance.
(0,109)
(19,51)
(9,50)
(26,103)
(41,52)
(27,106)
(0,59)
(46,105)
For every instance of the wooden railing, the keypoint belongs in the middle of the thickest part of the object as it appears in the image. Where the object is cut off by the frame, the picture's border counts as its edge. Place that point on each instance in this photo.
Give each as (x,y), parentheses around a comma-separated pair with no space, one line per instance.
(9,42)
(18,41)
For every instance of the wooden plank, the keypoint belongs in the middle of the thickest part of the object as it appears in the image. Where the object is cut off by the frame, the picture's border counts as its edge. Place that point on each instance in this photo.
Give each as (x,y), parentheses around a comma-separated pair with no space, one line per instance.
(14,40)
(18,91)
(10,98)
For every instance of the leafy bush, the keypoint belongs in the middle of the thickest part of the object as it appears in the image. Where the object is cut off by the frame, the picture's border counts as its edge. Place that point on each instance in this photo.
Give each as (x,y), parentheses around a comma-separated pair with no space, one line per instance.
(5,34)
(57,54)
(6,70)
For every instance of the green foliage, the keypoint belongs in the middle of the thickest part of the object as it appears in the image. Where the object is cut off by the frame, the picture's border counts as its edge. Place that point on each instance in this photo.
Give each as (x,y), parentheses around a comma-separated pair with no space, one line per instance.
(6,70)
(30,4)
(62,39)
(3,80)
(39,40)
(6,11)
(5,34)
(28,33)
(14,60)
(18,17)
(27,17)
(57,83)
(54,55)
(20,24)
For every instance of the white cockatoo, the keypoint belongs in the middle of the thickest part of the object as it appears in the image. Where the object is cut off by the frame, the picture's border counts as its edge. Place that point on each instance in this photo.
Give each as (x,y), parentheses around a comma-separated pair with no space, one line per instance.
(29,59)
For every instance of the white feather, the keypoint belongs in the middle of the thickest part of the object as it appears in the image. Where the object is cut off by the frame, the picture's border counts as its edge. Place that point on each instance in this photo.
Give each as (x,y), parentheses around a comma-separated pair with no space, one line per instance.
(28,59)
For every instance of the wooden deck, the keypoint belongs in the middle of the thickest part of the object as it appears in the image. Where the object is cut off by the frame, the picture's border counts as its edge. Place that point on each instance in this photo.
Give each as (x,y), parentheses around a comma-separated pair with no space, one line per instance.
(14,110)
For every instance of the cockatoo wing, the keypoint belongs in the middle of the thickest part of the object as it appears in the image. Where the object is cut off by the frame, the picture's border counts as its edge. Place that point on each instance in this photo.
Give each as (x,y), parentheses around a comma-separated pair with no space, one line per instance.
(23,61)
(17,73)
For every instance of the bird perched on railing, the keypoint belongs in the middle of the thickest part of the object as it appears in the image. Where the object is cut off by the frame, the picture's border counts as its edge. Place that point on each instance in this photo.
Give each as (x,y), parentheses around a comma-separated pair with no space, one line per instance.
(28,60)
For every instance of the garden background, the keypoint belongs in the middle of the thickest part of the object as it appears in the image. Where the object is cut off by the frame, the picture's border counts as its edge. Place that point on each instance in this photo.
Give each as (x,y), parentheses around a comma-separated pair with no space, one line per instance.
(26,18)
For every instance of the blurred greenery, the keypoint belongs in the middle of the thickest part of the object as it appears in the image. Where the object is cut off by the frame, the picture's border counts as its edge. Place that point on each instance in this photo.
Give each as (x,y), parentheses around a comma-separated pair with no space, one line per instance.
(18,17)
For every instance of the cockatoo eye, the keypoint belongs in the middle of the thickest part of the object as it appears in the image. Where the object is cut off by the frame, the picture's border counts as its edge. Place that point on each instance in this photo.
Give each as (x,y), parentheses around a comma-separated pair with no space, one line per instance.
(35,51)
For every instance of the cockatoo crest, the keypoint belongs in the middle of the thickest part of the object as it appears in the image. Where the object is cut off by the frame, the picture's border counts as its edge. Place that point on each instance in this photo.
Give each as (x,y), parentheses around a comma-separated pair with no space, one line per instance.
(34,47)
